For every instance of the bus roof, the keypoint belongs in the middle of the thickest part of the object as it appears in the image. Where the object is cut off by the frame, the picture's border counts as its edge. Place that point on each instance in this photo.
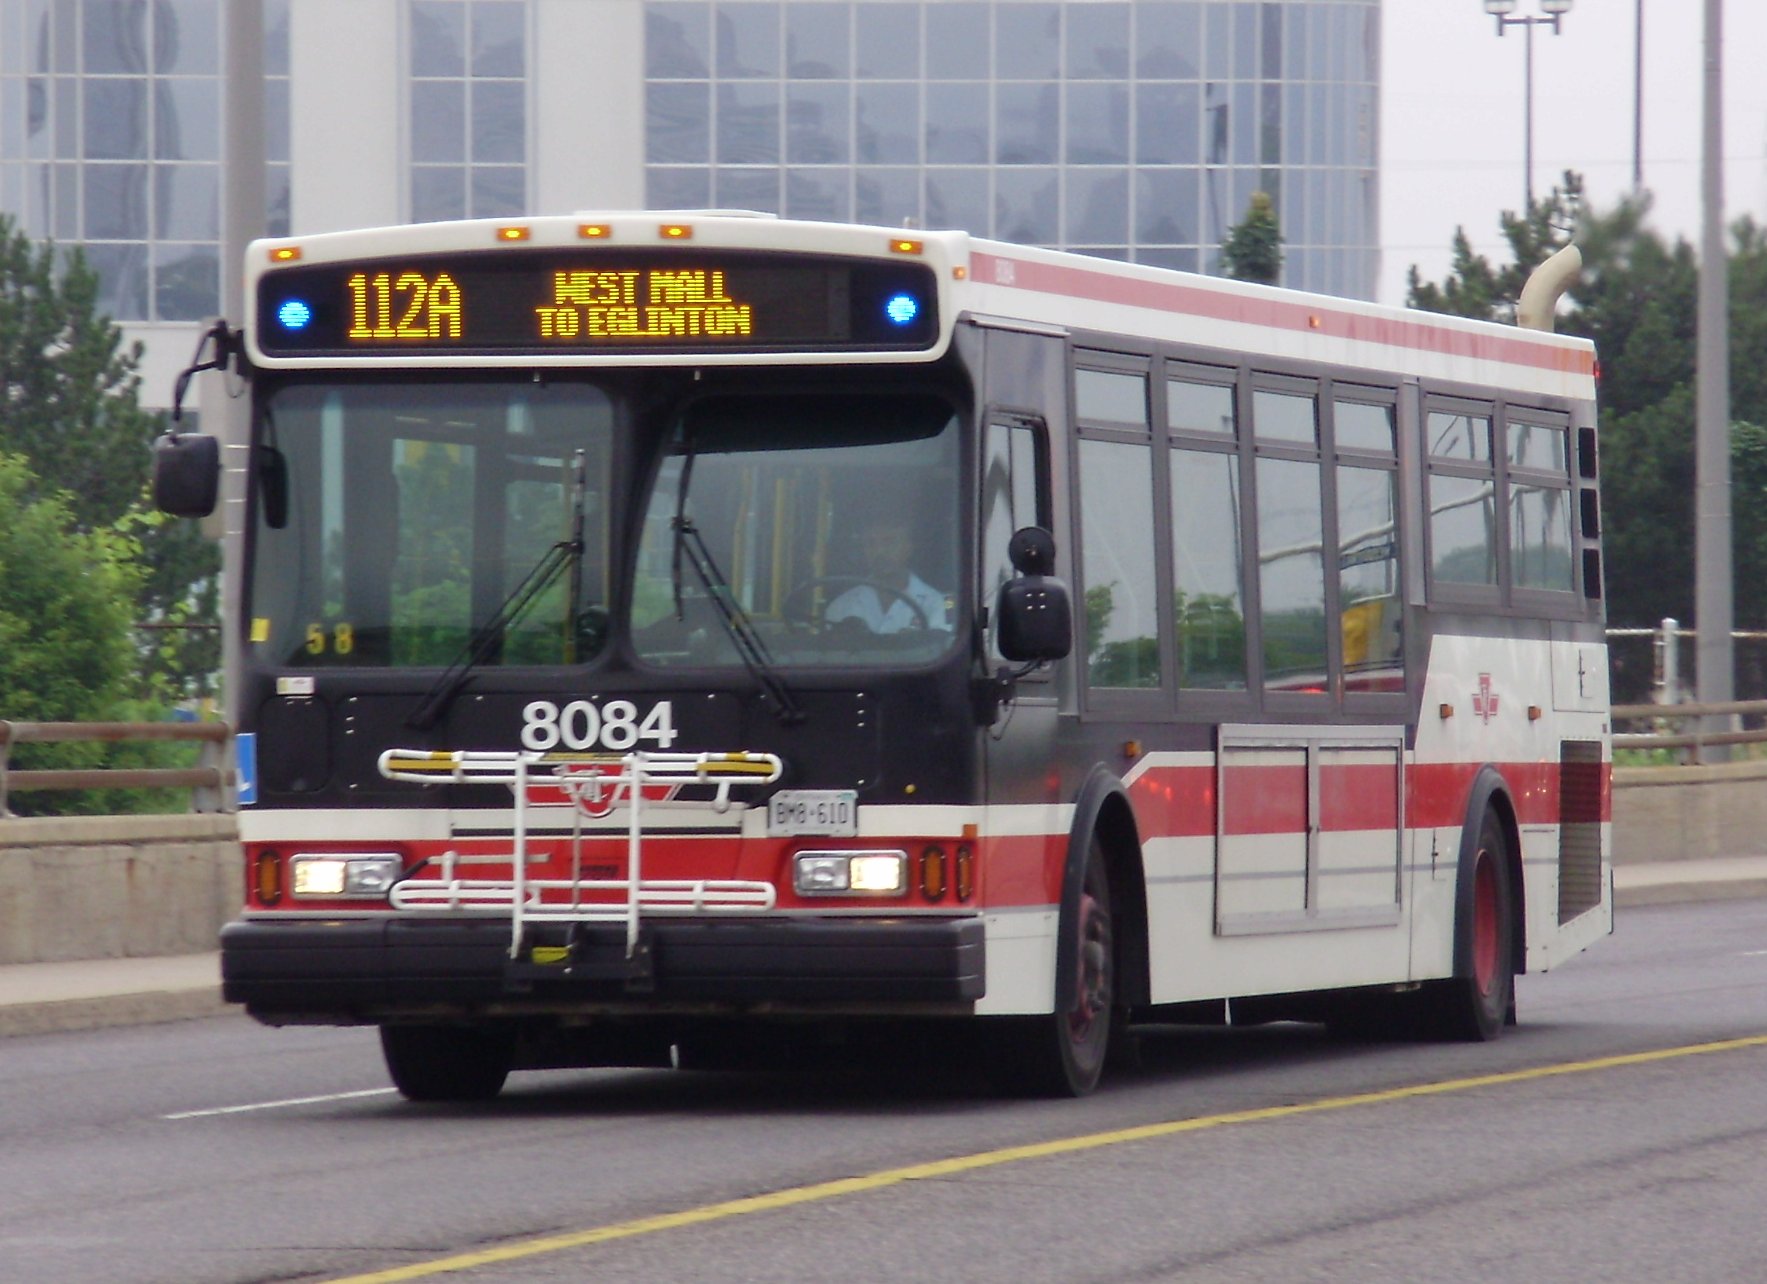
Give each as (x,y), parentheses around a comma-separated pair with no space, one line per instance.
(991,279)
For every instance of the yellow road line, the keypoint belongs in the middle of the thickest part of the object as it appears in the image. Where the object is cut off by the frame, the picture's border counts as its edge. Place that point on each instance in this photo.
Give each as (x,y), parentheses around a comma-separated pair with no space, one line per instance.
(960,1164)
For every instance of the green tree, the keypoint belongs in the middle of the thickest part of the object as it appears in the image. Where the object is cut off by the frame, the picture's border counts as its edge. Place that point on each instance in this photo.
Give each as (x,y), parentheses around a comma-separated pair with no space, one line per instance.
(1476,288)
(1647,506)
(69,405)
(1253,248)
(67,385)
(67,603)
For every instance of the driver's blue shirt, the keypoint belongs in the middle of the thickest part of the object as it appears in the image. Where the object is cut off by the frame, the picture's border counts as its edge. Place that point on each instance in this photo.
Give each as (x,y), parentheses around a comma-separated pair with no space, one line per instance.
(887,613)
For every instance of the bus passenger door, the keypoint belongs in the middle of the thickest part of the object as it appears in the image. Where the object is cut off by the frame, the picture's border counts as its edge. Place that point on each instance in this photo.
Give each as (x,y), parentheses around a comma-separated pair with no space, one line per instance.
(1024,825)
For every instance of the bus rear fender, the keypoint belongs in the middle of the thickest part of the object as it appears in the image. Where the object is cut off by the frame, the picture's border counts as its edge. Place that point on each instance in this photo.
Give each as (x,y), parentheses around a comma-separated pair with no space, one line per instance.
(1489,791)
(1101,811)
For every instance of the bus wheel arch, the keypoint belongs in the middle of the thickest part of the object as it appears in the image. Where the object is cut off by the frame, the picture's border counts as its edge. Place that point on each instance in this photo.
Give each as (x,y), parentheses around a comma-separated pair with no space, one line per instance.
(1103,817)
(1100,934)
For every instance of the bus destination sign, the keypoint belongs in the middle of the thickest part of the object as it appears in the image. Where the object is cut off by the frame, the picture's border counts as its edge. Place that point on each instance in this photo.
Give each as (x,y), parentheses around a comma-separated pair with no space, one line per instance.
(548,301)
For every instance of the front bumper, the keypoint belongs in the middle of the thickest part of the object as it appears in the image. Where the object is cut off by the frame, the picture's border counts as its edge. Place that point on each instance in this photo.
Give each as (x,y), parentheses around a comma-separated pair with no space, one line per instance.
(361,970)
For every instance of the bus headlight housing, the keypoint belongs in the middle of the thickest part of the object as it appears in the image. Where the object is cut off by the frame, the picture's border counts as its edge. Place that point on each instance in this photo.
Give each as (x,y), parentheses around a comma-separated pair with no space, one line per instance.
(313,876)
(856,873)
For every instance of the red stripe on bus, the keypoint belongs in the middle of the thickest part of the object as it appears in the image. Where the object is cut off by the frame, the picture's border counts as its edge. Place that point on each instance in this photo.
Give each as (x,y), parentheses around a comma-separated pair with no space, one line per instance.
(1358,796)
(1027,869)
(1268,799)
(1316,318)
(1179,802)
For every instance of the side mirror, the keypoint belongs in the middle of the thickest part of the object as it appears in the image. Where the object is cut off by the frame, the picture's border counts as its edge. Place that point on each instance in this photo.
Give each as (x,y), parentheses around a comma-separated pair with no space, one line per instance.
(186,474)
(1034,619)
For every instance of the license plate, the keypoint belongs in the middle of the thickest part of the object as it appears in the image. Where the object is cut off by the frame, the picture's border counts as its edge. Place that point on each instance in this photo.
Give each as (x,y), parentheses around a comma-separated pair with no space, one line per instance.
(830,812)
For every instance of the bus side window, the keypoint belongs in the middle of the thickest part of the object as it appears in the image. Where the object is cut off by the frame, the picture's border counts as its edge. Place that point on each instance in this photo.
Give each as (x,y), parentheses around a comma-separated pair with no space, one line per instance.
(1012,496)
(1462,497)
(1291,528)
(1368,588)
(1208,589)
(1119,557)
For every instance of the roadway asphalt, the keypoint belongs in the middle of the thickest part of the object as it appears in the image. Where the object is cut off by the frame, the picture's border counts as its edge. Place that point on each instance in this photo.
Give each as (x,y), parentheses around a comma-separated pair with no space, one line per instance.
(38,998)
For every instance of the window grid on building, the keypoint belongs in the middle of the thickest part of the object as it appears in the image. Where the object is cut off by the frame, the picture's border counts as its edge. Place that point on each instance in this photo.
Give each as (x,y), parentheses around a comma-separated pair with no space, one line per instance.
(110,139)
(1131,129)
(468,108)
(111,116)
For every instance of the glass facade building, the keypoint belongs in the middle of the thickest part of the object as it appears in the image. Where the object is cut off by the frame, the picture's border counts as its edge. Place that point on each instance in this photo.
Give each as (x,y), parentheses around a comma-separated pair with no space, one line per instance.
(110,138)
(1132,129)
(468,106)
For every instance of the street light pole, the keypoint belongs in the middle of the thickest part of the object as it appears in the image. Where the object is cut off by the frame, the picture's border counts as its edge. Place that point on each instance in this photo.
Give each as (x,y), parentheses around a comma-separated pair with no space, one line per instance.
(1554,11)
(1638,98)
(1713,560)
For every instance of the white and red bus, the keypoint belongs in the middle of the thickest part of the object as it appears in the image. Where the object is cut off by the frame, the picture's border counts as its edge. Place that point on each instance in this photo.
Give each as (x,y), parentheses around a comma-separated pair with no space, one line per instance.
(660,632)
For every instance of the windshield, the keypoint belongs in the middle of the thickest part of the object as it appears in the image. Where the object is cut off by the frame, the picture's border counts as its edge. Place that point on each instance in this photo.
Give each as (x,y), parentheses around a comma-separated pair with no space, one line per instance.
(416,511)
(823,526)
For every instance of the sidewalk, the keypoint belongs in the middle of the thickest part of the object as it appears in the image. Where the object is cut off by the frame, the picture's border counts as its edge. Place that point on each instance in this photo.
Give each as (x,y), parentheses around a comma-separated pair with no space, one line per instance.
(1676,882)
(38,998)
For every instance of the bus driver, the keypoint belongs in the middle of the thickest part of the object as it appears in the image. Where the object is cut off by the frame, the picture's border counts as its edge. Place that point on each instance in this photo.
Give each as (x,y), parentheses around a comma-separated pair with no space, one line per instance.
(891,597)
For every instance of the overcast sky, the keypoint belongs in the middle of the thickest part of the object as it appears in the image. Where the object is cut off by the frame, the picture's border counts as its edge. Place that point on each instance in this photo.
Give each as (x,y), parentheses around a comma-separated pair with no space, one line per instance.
(1452,118)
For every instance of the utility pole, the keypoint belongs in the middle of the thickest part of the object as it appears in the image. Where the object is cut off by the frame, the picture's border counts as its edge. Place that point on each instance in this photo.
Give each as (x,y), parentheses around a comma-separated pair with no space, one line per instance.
(1714,591)
(242,218)
(1638,97)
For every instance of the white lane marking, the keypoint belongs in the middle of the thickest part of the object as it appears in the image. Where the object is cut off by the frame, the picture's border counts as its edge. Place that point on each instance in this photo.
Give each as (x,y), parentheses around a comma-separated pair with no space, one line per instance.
(278,1105)
(1751,954)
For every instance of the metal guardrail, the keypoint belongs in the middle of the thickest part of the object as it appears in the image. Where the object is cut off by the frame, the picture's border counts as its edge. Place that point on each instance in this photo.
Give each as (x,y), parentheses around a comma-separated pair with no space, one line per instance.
(1694,740)
(209,780)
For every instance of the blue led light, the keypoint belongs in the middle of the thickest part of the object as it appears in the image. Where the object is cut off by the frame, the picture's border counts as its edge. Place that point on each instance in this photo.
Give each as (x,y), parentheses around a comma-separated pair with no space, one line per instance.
(294,314)
(902,309)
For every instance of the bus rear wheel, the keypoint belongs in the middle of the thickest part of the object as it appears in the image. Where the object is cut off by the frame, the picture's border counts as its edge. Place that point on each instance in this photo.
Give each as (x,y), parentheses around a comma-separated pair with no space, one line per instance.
(1475,1003)
(447,1062)
(1063,1054)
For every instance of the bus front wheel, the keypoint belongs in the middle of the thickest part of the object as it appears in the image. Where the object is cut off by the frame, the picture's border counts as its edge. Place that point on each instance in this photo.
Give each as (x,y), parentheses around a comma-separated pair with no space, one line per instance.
(1063,1054)
(447,1062)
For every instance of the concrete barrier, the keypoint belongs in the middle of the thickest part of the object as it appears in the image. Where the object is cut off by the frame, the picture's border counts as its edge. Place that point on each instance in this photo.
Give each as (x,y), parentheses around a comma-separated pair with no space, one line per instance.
(97,887)
(1689,813)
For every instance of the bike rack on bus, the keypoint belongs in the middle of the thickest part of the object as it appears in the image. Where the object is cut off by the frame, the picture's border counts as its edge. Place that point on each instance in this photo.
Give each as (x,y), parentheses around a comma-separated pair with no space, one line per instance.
(596,779)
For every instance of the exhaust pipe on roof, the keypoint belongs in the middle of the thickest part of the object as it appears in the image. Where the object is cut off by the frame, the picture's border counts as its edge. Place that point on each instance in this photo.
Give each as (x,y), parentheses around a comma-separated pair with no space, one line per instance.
(1547,283)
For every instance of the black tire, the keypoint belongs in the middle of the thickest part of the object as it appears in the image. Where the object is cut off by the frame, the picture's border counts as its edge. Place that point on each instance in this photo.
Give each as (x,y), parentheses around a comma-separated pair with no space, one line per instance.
(447,1062)
(1063,1054)
(1475,1004)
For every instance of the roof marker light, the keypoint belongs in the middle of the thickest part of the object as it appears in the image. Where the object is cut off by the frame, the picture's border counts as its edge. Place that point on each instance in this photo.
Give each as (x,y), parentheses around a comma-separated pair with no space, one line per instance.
(906,247)
(594,231)
(676,231)
(285,253)
(513,232)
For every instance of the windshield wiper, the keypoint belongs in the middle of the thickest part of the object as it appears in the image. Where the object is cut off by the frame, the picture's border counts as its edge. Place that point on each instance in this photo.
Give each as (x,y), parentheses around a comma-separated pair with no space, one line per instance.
(566,554)
(690,546)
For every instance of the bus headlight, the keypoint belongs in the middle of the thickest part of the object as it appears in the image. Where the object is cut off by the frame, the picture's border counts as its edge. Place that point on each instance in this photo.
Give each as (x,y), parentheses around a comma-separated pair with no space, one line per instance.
(869,873)
(314,876)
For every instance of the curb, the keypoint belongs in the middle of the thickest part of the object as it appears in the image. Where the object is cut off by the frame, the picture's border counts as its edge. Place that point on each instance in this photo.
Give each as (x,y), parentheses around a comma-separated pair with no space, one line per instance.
(1689,893)
(103,1011)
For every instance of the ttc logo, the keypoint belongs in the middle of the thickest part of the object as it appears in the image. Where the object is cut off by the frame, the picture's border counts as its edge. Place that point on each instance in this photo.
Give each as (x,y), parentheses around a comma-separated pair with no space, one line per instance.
(1484,700)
